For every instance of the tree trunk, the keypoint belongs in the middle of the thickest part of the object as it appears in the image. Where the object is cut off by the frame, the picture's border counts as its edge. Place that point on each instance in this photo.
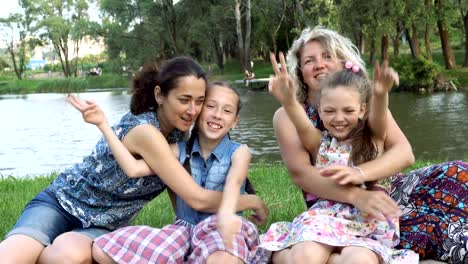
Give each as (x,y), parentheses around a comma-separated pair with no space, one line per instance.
(240,39)
(410,43)
(464,15)
(18,72)
(427,33)
(219,50)
(465,24)
(64,48)
(362,43)
(77,49)
(300,23)
(372,52)
(384,47)
(415,41)
(396,40)
(427,41)
(447,51)
(248,30)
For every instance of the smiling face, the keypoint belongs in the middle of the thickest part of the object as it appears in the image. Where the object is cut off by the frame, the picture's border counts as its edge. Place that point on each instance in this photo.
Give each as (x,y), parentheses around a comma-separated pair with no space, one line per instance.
(180,108)
(340,110)
(316,63)
(219,114)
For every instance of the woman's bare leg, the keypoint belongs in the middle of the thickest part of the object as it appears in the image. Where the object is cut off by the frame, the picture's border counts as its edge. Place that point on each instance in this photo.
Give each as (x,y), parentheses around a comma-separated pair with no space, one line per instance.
(20,249)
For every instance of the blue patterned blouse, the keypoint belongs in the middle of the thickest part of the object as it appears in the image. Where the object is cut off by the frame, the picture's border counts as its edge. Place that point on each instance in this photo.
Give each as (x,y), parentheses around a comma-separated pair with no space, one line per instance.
(98,192)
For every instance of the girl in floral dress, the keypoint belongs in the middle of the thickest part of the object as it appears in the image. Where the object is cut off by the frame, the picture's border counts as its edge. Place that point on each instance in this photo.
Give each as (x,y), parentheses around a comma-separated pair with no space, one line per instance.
(332,231)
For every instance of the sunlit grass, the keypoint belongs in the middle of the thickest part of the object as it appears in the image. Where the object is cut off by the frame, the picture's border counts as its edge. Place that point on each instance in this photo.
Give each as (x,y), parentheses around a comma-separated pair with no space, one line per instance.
(271,181)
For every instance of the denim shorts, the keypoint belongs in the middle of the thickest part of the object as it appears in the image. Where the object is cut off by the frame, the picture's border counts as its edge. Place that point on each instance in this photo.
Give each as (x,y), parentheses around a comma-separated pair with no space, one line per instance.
(44,219)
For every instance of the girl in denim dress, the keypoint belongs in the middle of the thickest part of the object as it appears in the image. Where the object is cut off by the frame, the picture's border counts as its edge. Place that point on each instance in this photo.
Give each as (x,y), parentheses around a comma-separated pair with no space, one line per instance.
(216,163)
(96,196)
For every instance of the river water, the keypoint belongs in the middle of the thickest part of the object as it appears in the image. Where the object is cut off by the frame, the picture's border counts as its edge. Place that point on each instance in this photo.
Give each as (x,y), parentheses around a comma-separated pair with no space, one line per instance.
(41,133)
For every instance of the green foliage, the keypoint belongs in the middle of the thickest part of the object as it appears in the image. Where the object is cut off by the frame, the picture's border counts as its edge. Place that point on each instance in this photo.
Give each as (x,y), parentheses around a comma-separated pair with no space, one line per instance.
(415,73)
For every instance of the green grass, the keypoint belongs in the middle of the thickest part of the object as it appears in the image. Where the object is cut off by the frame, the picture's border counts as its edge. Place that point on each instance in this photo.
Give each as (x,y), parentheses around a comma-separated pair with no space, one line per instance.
(271,181)
(63,85)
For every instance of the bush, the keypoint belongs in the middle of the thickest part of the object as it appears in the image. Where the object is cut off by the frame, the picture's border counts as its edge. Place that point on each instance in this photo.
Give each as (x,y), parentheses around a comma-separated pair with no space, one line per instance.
(416,73)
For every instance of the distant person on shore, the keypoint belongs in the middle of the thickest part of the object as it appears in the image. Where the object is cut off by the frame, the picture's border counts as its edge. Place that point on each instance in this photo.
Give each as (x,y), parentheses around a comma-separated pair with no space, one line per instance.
(433,199)
(249,75)
(96,196)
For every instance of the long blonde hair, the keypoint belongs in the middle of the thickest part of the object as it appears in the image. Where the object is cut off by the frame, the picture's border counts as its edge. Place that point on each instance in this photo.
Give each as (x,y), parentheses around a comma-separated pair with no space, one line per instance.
(335,44)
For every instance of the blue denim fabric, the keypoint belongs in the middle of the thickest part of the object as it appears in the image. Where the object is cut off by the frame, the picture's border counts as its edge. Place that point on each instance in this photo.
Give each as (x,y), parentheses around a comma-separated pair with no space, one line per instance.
(44,219)
(98,192)
(210,174)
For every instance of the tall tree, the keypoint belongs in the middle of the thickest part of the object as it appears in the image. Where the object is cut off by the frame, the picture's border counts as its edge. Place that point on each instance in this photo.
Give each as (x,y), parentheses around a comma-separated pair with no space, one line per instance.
(243,40)
(80,28)
(447,51)
(429,20)
(270,16)
(14,32)
(463,6)
(54,24)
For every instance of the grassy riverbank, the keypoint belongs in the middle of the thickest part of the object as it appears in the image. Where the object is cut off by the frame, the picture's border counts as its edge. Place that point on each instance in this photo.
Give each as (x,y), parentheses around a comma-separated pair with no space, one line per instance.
(63,85)
(231,72)
(271,181)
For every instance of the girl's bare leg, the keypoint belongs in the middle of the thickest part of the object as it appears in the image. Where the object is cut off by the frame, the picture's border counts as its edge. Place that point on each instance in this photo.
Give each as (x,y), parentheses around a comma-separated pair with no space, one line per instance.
(311,252)
(70,247)
(282,256)
(223,257)
(357,255)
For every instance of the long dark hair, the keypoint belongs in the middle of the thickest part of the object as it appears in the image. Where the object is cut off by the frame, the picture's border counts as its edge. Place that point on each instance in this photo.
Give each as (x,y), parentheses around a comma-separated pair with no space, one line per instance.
(363,148)
(144,82)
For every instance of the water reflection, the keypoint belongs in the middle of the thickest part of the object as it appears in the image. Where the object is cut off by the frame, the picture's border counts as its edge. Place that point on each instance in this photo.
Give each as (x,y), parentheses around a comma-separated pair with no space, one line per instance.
(41,132)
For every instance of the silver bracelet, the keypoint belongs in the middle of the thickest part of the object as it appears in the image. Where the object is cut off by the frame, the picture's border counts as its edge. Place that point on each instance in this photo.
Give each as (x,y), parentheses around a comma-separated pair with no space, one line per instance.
(363,183)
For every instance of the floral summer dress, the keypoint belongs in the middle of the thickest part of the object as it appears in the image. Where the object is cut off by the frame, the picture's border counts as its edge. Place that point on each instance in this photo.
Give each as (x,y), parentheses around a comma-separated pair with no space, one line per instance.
(338,224)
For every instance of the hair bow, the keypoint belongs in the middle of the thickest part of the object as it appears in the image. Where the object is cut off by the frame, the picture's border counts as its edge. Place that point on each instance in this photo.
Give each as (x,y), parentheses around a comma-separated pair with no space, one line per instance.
(352,67)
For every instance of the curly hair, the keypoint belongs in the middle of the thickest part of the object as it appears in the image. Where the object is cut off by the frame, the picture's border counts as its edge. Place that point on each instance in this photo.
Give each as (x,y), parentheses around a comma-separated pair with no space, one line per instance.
(143,84)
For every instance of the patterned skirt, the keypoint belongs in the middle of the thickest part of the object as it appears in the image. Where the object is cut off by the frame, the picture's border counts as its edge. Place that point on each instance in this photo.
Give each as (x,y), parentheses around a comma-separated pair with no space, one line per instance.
(340,225)
(180,242)
(434,204)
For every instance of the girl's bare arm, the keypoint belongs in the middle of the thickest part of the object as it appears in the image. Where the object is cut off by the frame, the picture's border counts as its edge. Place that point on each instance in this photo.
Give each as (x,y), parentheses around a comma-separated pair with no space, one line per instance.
(149,143)
(307,177)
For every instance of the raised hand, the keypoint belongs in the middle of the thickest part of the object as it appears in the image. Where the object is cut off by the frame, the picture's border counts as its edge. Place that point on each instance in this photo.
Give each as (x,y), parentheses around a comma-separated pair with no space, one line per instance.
(343,174)
(91,112)
(376,204)
(281,85)
(384,78)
